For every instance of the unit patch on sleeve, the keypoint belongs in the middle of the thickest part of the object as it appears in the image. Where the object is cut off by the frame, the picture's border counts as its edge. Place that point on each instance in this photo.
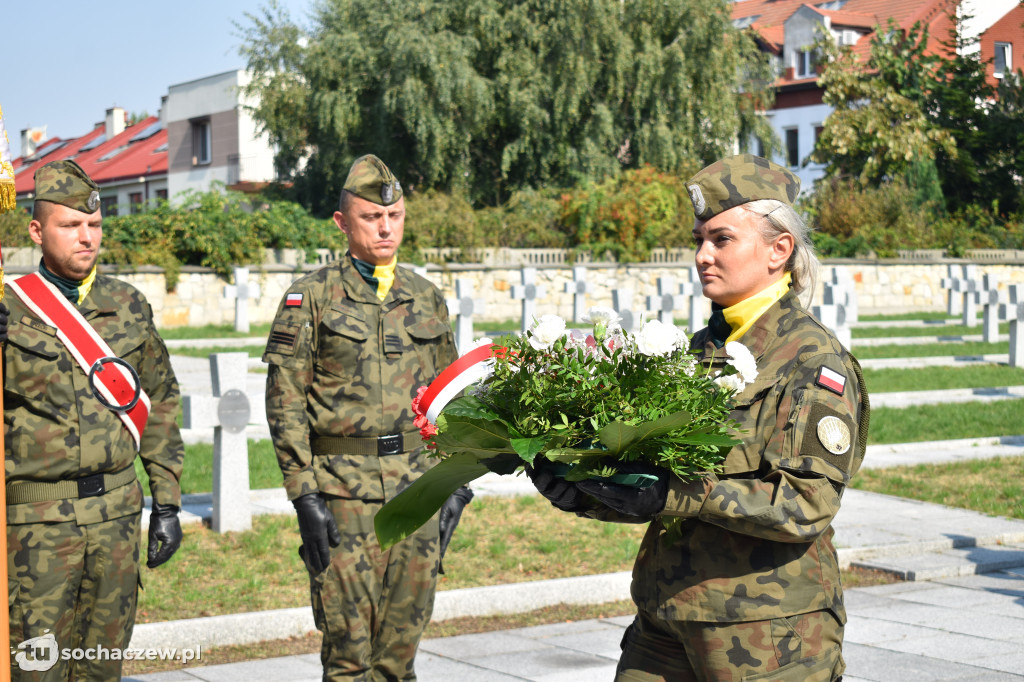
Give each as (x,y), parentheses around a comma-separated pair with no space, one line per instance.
(293,300)
(831,379)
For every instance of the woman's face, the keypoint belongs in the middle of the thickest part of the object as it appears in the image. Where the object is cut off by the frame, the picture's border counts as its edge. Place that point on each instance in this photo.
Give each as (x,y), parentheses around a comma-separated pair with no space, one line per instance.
(734,260)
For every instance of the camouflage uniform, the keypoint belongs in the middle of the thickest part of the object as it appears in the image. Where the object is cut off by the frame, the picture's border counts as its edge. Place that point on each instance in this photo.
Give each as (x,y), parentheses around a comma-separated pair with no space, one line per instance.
(73,563)
(744,583)
(345,364)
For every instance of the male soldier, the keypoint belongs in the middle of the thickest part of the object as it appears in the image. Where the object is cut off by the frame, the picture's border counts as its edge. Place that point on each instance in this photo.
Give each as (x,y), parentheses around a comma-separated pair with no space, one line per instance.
(87,385)
(737,576)
(349,347)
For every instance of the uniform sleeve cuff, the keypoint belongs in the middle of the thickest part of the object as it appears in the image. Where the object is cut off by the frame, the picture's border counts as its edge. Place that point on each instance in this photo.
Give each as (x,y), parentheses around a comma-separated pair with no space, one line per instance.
(302,483)
(685,498)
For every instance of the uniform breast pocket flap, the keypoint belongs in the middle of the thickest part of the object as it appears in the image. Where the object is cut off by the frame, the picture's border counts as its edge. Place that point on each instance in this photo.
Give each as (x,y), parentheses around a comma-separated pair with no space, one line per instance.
(347,323)
(427,330)
(35,338)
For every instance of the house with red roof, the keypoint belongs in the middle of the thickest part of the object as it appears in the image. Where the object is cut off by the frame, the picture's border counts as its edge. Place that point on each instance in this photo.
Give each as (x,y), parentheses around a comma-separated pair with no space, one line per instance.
(203,135)
(788,29)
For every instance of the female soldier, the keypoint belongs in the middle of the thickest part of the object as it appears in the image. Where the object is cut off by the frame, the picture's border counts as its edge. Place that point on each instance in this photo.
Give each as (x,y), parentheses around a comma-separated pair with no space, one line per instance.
(750,587)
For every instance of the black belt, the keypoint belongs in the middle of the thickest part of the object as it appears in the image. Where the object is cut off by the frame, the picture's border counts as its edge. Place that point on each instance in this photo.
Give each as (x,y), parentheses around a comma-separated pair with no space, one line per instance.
(20,492)
(391,444)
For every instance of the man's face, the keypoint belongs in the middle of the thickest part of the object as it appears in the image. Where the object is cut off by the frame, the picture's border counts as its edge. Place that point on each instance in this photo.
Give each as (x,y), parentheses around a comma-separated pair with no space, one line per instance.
(374,231)
(70,240)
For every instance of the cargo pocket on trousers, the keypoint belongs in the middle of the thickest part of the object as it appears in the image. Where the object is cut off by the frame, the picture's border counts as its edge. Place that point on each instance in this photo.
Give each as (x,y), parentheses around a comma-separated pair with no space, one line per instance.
(811,669)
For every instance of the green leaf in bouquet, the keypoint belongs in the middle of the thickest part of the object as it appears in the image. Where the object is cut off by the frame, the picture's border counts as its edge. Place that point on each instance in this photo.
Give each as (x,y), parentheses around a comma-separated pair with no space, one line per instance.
(716,439)
(471,406)
(618,436)
(527,448)
(482,437)
(572,455)
(413,507)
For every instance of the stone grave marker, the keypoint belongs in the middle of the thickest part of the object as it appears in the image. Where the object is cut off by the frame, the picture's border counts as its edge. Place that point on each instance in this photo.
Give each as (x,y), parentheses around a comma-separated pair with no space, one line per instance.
(667,301)
(463,307)
(622,302)
(528,292)
(242,290)
(579,287)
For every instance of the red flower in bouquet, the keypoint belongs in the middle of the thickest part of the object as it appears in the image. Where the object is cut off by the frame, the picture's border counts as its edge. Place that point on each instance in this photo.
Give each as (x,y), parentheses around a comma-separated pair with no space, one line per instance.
(420,421)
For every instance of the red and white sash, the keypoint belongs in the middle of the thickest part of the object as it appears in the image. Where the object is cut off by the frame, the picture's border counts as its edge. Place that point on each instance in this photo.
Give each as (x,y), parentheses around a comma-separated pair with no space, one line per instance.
(86,346)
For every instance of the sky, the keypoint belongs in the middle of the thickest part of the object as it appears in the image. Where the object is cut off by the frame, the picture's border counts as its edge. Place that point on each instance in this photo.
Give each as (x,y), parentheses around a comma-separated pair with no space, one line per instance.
(65,63)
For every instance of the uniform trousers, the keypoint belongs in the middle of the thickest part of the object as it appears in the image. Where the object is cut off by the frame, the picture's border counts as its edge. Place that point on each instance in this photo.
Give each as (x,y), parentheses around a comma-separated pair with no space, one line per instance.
(78,584)
(371,606)
(801,648)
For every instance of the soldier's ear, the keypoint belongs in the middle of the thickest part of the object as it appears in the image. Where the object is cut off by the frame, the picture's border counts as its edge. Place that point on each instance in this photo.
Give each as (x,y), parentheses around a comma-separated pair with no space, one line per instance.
(35,231)
(781,250)
(341,222)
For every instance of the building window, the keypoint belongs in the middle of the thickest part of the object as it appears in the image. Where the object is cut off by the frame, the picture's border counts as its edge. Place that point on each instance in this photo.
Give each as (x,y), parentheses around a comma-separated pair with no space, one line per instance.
(108,205)
(161,194)
(201,142)
(135,202)
(1003,59)
(806,63)
(792,147)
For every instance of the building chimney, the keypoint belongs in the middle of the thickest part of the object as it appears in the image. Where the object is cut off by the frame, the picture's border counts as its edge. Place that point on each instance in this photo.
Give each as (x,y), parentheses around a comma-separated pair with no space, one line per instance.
(114,122)
(163,112)
(31,139)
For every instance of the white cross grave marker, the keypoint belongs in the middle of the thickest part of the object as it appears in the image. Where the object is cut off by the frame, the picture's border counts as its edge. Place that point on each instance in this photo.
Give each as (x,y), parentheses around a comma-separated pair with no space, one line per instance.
(833,316)
(697,303)
(666,302)
(528,292)
(988,297)
(463,307)
(1014,312)
(969,286)
(242,291)
(227,412)
(845,292)
(579,287)
(622,302)
(951,283)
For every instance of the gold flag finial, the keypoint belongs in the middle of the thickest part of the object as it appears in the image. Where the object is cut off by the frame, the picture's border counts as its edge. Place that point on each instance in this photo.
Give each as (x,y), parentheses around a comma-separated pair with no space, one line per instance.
(7,190)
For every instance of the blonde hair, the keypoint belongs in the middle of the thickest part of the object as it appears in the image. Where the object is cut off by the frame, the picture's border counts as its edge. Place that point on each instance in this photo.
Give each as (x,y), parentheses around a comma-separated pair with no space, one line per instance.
(780,218)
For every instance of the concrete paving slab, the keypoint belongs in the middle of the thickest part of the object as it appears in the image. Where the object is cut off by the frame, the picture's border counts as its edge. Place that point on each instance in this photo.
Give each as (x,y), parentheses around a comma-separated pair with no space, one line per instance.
(874,664)
(433,668)
(914,340)
(949,563)
(944,451)
(951,396)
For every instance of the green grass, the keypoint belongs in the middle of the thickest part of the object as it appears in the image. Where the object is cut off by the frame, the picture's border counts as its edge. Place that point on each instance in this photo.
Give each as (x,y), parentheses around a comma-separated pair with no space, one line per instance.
(933,315)
(990,486)
(197,474)
(195,352)
(946,422)
(947,330)
(929,350)
(941,378)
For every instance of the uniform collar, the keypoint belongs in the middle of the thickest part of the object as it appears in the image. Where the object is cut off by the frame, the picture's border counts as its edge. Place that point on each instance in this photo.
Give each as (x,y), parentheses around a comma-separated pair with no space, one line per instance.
(358,290)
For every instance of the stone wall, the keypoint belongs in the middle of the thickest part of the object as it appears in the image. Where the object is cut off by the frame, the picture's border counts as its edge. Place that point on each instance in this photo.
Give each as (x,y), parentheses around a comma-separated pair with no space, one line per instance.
(882,287)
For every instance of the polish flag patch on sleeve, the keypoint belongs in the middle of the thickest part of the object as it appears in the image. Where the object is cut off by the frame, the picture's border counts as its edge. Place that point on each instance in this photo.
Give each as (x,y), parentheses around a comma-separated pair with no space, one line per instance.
(830,379)
(293,300)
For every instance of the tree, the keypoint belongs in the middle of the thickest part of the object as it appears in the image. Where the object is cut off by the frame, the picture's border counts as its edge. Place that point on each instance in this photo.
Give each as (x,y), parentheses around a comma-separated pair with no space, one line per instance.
(492,96)
(880,124)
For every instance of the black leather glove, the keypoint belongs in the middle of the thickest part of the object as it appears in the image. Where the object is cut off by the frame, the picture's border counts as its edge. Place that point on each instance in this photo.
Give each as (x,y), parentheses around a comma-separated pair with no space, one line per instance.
(4,314)
(164,527)
(318,530)
(559,492)
(630,500)
(451,512)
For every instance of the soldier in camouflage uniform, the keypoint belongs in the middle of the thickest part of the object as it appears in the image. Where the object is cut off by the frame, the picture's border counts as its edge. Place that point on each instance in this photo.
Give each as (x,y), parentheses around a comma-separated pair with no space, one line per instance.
(750,588)
(349,347)
(73,500)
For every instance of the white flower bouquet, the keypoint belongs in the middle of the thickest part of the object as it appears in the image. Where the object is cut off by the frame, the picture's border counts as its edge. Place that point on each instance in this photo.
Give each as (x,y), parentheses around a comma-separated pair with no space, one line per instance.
(595,403)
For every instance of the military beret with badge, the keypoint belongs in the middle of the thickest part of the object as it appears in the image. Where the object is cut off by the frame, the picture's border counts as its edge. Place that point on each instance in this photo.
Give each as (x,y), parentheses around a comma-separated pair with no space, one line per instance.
(737,180)
(369,178)
(64,182)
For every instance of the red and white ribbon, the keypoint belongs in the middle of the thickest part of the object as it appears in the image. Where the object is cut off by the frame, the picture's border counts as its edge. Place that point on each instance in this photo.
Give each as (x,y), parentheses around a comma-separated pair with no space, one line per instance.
(474,366)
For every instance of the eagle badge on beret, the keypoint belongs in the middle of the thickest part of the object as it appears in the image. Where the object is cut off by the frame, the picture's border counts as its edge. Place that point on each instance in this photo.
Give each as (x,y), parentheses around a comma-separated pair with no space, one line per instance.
(697,197)
(387,192)
(94,200)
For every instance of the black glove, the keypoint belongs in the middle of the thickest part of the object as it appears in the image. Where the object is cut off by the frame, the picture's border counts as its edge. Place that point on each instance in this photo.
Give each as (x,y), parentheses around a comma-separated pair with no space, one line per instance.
(164,527)
(318,530)
(451,512)
(627,499)
(559,492)
(4,314)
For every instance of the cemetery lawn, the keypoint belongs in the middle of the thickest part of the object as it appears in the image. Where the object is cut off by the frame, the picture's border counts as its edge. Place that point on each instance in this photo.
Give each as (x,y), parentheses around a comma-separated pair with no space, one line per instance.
(991,486)
(204,352)
(214,331)
(946,422)
(941,378)
(958,348)
(933,315)
(937,330)
(197,476)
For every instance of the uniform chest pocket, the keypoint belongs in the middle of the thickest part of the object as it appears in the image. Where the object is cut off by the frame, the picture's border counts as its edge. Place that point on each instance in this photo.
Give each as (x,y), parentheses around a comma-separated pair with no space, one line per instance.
(344,342)
(427,335)
(37,366)
(755,408)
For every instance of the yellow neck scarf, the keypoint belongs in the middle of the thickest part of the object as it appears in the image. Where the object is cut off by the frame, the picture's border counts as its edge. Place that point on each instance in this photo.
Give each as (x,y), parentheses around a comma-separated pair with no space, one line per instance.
(86,286)
(385,275)
(742,315)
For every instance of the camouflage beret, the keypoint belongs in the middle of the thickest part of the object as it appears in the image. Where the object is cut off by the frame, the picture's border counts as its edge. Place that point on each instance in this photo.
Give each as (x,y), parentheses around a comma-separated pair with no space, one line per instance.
(370,179)
(738,179)
(64,182)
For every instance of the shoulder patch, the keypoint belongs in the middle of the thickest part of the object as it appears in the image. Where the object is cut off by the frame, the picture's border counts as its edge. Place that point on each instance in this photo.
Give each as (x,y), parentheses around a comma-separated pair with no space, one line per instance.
(292,300)
(282,338)
(831,380)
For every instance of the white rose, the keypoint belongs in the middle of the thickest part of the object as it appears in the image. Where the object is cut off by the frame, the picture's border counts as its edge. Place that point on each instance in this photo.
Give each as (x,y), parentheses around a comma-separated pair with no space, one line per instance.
(549,328)
(601,315)
(657,338)
(742,360)
(731,382)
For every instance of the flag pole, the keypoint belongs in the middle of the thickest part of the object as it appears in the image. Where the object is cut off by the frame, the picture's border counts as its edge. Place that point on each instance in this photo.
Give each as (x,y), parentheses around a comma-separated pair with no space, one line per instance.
(8,202)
